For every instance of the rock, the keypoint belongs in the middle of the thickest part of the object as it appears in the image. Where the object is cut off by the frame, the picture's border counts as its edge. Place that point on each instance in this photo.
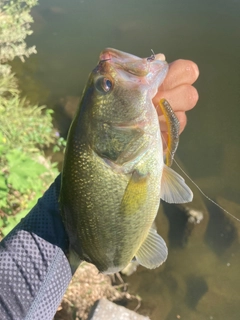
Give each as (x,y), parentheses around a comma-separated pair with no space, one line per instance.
(105,309)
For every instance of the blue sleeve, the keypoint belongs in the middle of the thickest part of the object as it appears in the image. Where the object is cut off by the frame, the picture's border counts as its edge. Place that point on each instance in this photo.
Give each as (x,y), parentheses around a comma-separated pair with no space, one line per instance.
(34,269)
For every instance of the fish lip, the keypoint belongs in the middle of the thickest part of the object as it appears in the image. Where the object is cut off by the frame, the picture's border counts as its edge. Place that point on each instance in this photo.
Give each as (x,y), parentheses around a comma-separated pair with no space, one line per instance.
(149,70)
(110,53)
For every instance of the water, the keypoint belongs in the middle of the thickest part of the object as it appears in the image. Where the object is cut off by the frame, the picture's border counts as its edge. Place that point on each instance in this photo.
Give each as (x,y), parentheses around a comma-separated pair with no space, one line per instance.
(200,279)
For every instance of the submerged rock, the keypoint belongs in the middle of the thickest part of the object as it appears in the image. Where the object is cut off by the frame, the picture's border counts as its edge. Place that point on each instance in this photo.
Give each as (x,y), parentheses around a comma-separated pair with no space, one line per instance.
(105,309)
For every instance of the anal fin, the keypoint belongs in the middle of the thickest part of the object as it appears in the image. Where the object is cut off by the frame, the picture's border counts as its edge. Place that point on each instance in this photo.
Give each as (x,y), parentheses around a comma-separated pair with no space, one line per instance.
(153,252)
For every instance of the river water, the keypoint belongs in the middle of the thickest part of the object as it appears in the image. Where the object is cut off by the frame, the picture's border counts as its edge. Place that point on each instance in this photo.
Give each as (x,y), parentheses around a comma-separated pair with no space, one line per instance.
(201,278)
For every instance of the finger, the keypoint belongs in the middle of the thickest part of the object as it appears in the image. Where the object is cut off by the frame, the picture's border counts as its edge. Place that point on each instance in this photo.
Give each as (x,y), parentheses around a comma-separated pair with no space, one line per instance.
(182,118)
(180,72)
(160,56)
(181,98)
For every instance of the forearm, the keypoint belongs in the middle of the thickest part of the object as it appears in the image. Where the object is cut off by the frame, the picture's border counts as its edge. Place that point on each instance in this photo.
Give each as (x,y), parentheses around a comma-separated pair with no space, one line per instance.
(34,269)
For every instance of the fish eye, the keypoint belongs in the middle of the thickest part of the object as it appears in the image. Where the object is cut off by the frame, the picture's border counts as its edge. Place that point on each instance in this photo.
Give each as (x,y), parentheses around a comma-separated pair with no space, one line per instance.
(107,84)
(104,85)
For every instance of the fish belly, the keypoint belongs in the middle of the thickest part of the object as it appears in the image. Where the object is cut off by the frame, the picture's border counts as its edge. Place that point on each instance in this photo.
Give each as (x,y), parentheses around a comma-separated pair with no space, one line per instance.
(108,214)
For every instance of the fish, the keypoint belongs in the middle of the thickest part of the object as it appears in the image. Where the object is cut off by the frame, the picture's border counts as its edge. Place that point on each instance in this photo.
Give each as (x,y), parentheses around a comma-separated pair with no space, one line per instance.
(114,173)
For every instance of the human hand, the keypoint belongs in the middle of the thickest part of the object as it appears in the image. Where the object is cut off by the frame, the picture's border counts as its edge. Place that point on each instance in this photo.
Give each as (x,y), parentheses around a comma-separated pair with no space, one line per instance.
(177,89)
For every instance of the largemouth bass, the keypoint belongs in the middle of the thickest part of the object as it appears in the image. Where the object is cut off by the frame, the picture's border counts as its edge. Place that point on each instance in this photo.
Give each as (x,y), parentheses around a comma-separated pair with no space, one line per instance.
(114,173)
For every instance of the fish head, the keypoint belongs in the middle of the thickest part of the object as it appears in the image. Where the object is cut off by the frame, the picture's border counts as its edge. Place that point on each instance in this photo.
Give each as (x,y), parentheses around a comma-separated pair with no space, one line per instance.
(119,95)
(131,72)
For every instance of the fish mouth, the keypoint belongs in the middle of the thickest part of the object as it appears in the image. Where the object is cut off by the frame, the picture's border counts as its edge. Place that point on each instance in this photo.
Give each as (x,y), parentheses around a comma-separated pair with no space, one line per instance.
(146,70)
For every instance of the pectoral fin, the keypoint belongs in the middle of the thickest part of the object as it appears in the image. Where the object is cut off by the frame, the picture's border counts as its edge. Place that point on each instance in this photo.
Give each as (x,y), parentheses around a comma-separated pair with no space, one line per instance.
(174,188)
(153,252)
(135,194)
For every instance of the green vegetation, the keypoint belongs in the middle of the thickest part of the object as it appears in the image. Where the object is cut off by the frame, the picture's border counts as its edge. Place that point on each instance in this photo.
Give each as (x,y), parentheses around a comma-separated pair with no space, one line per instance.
(25,130)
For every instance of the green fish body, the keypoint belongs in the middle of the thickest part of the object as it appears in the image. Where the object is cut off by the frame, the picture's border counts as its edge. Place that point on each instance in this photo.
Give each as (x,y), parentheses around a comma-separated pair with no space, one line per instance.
(114,174)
